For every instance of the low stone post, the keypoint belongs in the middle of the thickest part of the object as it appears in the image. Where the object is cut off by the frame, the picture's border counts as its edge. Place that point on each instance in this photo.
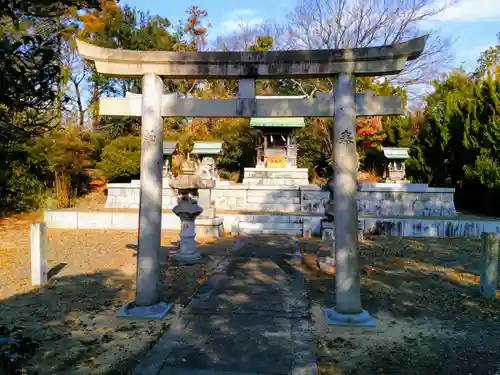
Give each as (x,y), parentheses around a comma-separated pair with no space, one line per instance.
(307,228)
(328,228)
(489,266)
(205,202)
(38,247)
(361,230)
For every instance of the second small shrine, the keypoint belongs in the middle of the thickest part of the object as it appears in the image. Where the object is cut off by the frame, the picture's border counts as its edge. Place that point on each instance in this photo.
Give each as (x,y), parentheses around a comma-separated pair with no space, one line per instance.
(394,168)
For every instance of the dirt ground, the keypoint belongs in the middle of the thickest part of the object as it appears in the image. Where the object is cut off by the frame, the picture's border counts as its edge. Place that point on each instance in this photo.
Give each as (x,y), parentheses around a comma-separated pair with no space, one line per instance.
(424,297)
(70,325)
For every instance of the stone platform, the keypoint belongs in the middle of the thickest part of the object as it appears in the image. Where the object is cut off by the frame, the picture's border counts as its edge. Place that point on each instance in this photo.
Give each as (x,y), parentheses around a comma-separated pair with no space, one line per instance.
(252,317)
(276,176)
(373,199)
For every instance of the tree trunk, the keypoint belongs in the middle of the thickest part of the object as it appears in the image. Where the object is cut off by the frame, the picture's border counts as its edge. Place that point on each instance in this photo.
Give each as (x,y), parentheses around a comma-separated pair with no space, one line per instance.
(81,111)
(95,107)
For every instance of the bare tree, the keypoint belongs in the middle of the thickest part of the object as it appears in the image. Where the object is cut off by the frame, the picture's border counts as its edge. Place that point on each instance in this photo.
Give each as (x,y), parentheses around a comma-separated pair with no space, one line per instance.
(334,24)
(76,76)
(322,24)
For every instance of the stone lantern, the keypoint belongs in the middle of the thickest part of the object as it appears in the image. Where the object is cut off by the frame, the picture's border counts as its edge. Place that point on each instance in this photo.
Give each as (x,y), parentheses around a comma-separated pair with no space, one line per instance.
(187,209)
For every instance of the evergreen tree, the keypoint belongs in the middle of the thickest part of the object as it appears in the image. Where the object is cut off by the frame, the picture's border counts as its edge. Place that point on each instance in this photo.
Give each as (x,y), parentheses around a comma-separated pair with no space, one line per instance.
(459,142)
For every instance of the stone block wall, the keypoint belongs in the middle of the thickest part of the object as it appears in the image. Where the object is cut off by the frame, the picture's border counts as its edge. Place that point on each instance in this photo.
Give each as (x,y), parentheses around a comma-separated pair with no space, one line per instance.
(405,200)
(406,204)
(127,196)
(418,227)
(272,200)
(429,227)
(373,199)
(313,200)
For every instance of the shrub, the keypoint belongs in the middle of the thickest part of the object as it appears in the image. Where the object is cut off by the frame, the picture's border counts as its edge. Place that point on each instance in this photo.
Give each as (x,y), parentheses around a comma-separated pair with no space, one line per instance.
(21,190)
(121,159)
(225,175)
(62,159)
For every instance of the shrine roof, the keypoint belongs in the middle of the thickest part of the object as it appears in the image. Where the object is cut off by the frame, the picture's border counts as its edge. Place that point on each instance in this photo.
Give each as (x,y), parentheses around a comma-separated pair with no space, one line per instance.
(396,152)
(279,122)
(169,147)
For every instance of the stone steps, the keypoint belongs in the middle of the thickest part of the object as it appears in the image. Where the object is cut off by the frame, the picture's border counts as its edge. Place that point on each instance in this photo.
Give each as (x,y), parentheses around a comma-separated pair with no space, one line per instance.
(270,228)
(269,224)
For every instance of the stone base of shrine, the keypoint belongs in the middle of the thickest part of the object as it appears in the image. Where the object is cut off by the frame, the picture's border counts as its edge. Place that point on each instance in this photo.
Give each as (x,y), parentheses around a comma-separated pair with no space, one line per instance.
(373,199)
(276,176)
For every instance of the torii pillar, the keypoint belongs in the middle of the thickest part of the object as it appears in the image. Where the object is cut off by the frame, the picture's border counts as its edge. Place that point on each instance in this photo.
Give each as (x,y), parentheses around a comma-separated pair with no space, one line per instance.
(345,105)
(150,201)
(345,209)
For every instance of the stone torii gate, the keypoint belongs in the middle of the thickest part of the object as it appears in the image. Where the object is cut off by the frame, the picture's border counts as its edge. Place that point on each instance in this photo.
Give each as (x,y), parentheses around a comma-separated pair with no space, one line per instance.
(344,106)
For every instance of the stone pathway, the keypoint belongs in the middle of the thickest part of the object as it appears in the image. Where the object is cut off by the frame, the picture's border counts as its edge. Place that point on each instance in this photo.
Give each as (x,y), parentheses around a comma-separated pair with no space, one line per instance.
(252,317)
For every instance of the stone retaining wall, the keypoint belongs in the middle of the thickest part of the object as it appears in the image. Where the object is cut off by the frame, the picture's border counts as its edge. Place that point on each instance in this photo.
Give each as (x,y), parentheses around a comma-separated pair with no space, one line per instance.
(373,199)
(298,225)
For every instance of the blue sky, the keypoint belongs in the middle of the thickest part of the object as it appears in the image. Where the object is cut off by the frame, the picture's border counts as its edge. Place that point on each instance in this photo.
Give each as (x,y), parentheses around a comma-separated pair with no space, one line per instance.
(472,24)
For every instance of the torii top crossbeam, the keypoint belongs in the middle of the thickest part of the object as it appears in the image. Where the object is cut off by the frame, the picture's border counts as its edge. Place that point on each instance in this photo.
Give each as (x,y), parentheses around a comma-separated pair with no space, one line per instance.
(370,61)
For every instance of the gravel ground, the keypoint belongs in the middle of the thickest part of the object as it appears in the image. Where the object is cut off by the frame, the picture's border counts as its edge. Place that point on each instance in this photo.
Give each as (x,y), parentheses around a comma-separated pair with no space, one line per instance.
(424,296)
(69,326)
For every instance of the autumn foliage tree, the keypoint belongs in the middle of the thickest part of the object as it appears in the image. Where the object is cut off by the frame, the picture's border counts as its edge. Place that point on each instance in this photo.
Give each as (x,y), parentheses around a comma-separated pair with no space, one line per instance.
(194,27)
(125,27)
(31,32)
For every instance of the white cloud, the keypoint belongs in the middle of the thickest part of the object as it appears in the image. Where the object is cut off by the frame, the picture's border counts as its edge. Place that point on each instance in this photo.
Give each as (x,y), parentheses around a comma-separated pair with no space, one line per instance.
(242,12)
(233,25)
(238,19)
(471,10)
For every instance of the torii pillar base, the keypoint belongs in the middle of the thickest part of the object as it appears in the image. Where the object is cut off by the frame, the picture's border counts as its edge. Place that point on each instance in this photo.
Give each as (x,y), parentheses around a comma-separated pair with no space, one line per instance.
(363,319)
(156,311)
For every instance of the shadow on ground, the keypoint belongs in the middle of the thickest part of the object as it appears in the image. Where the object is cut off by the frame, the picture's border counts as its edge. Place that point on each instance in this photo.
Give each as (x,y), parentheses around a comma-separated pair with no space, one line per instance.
(424,295)
(70,325)
(63,326)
